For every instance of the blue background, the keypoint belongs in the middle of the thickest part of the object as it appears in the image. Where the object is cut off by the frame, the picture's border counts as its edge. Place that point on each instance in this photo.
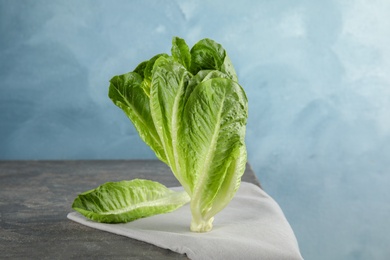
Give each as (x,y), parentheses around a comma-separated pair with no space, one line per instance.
(316,73)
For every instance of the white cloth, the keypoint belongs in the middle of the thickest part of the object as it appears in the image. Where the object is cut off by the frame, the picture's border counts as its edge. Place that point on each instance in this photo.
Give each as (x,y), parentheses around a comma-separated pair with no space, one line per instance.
(252,226)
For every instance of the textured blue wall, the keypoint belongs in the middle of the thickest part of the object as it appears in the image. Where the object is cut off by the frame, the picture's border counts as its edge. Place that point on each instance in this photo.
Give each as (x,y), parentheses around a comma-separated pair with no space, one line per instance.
(316,73)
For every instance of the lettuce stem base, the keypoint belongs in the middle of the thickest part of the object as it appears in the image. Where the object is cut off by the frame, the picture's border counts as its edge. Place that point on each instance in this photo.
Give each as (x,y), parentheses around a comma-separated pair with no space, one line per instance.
(201,225)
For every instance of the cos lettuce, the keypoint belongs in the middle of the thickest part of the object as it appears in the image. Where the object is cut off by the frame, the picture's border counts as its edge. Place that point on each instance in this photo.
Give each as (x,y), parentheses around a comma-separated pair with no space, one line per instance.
(191,111)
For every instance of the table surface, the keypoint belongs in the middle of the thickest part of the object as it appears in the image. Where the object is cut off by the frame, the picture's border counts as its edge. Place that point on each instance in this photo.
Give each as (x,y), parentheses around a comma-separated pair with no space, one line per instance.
(35,197)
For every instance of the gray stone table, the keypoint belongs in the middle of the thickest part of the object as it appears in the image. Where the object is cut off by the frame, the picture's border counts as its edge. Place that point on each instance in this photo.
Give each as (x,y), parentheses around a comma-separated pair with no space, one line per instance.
(35,197)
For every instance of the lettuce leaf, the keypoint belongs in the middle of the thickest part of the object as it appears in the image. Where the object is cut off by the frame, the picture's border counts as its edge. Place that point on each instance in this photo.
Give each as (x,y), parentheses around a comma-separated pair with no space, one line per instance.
(124,201)
(214,122)
(126,91)
(169,81)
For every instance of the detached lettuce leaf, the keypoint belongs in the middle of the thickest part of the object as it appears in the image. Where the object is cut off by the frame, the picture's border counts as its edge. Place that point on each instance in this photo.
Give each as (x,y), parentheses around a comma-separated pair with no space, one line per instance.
(124,201)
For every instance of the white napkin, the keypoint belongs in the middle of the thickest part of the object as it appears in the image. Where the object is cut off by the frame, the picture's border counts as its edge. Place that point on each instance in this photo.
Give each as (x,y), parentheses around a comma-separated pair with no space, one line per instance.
(252,226)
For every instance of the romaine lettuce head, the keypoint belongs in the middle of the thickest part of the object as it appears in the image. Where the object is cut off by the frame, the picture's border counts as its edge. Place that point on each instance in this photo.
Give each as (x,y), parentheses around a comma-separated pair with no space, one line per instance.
(192,112)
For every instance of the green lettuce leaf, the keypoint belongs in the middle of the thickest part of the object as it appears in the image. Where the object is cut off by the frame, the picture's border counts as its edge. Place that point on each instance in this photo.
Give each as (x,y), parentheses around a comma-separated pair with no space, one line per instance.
(124,201)
(169,81)
(209,55)
(181,52)
(214,121)
(127,93)
(145,69)
(201,76)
